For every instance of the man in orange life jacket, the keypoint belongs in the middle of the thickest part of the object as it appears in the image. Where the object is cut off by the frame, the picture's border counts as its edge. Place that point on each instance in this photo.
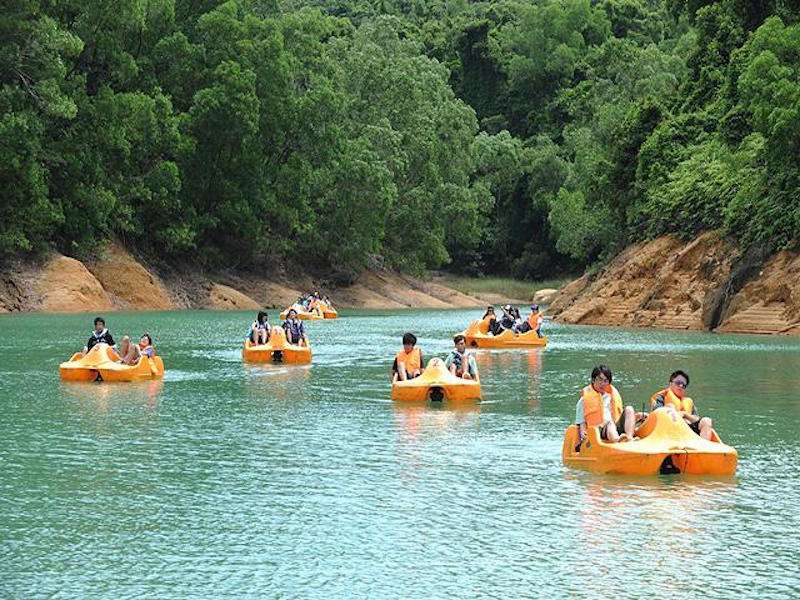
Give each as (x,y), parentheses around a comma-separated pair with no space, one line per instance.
(600,405)
(408,362)
(674,397)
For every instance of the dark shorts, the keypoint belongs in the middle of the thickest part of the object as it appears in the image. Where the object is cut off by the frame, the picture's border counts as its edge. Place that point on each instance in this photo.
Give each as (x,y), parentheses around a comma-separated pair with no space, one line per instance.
(603,435)
(524,327)
(621,423)
(696,426)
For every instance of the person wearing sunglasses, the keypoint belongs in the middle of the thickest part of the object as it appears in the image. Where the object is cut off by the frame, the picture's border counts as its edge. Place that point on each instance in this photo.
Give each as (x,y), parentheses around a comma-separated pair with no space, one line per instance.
(674,397)
(600,405)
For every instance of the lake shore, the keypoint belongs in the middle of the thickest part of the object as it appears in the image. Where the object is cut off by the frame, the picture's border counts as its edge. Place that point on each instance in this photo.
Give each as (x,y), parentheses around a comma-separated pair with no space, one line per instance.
(706,284)
(117,280)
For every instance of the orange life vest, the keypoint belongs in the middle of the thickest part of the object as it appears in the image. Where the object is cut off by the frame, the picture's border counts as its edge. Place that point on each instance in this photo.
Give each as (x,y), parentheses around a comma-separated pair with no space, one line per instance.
(533,320)
(593,405)
(412,360)
(670,399)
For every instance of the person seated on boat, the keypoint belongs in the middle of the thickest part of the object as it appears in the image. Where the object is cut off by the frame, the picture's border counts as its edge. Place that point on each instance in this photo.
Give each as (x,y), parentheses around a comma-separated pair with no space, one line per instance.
(600,405)
(408,363)
(674,397)
(260,329)
(506,321)
(146,346)
(295,331)
(460,363)
(532,323)
(489,320)
(129,353)
(100,335)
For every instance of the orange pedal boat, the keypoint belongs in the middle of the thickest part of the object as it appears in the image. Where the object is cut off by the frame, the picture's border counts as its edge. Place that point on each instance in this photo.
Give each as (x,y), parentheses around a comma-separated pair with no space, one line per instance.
(302,314)
(436,383)
(478,337)
(276,350)
(101,363)
(666,445)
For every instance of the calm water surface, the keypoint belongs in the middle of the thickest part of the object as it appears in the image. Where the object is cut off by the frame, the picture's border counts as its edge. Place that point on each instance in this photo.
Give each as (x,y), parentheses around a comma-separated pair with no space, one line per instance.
(229,480)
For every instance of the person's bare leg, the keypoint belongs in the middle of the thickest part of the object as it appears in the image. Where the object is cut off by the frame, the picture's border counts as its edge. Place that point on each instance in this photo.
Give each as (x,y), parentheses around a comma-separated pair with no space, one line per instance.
(706,427)
(611,432)
(630,421)
(401,371)
(453,370)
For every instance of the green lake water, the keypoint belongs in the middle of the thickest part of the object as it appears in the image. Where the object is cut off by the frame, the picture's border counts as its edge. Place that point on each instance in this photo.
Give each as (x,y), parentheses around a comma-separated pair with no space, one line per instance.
(230,480)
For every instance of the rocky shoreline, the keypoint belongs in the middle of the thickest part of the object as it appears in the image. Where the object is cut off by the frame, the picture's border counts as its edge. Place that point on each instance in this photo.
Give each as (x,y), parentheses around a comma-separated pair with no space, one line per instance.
(117,280)
(706,284)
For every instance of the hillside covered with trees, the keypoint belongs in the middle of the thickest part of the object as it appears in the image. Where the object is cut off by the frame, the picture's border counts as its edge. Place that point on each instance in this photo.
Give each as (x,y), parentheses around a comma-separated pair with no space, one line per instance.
(504,137)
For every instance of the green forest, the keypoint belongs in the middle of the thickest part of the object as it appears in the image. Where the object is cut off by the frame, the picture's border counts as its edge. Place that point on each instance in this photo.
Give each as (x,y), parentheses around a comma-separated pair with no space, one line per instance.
(491,137)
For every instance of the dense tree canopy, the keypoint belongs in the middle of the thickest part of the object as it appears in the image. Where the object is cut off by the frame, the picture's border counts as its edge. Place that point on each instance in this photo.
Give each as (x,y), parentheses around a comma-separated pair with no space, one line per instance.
(504,136)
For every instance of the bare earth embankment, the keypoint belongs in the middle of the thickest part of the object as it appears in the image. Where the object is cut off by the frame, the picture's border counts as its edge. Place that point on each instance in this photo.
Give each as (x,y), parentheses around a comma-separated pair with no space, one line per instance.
(118,281)
(705,284)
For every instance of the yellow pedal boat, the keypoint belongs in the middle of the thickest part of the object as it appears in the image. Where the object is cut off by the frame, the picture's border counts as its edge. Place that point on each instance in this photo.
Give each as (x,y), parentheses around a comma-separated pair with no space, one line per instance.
(478,337)
(101,363)
(321,311)
(302,314)
(666,445)
(277,350)
(437,384)
(84,368)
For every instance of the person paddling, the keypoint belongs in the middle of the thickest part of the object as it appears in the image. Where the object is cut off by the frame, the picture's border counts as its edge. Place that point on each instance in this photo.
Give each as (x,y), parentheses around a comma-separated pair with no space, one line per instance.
(100,335)
(674,397)
(408,362)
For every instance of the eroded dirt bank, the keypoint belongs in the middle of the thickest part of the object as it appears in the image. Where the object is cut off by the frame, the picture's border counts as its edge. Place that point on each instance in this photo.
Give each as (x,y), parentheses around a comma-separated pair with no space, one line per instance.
(118,281)
(705,284)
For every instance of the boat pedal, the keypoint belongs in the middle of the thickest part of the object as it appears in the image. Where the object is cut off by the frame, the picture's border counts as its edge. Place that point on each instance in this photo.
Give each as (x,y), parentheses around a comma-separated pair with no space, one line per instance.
(668,467)
(436,394)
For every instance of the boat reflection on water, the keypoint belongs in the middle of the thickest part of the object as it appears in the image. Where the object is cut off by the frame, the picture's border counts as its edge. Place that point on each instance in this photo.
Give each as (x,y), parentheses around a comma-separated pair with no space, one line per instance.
(500,362)
(275,381)
(673,516)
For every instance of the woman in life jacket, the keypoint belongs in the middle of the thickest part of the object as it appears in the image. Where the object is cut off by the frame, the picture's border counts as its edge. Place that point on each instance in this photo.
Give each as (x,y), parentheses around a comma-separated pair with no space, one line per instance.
(146,346)
(99,335)
(600,405)
(489,320)
(260,329)
(674,397)
(408,363)
(533,322)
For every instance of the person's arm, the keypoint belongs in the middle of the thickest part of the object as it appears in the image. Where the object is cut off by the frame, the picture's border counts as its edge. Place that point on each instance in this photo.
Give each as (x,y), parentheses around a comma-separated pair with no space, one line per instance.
(473,366)
(449,360)
(659,402)
(580,419)
(421,362)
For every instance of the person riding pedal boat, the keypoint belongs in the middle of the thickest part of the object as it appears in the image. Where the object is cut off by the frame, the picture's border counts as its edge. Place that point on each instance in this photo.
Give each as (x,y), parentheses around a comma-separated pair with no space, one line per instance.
(674,397)
(459,361)
(408,363)
(100,335)
(600,405)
